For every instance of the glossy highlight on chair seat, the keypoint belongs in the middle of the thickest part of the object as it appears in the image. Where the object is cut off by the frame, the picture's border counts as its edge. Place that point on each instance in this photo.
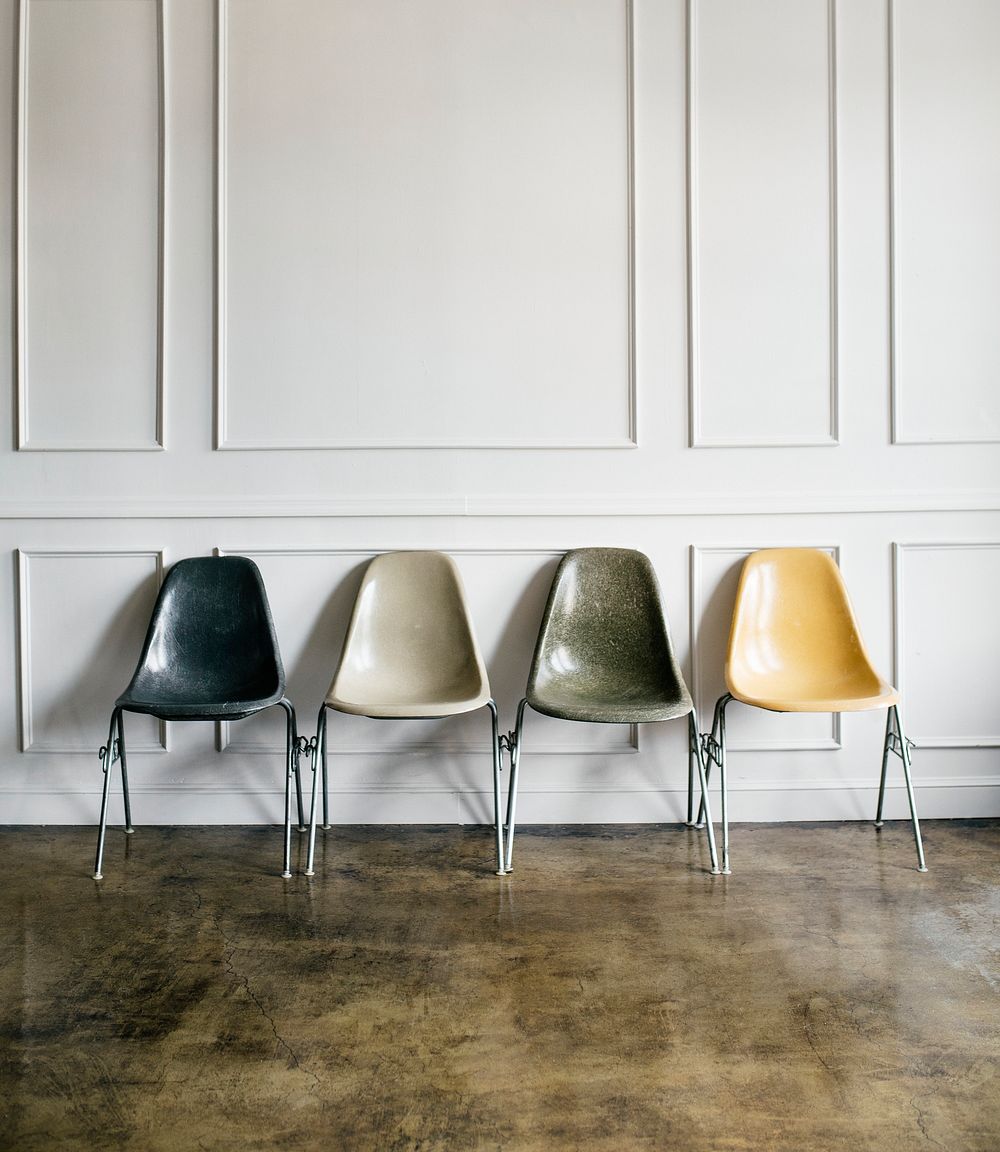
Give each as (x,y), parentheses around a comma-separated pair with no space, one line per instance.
(795,645)
(603,653)
(410,650)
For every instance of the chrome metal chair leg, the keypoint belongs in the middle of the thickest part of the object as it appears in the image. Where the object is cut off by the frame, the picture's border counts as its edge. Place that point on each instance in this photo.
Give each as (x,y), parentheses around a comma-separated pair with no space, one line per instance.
(108,758)
(497,821)
(291,768)
(515,760)
(121,756)
(326,787)
(318,756)
(693,738)
(694,752)
(886,749)
(715,747)
(896,742)
(302,825)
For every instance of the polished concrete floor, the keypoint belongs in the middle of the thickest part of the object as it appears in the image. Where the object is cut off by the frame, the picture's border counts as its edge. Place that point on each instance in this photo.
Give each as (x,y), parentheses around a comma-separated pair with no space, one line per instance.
(610,995)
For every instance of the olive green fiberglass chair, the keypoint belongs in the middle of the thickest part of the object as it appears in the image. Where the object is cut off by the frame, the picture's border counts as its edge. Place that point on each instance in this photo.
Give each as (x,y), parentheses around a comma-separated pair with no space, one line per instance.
(795,646)
(604,656)
(410,653)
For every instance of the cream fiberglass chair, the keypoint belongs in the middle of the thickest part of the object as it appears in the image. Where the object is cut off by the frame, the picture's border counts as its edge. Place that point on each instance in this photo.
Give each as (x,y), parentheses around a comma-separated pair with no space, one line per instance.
(795,646)
(410,653)
(604,656)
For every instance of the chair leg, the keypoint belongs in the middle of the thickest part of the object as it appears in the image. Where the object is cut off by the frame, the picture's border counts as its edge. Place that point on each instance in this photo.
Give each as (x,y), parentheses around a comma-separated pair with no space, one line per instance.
(318,756)
(694,754)
(121,755)
(895,741)
(107,755)
(691,756)
(291,768)
(497,821)
(302,826)
(515,760)
(326,787)
(716,748)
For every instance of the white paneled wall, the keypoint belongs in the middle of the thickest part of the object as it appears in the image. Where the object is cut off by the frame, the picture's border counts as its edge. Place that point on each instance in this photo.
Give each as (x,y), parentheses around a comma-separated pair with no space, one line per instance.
(311,280)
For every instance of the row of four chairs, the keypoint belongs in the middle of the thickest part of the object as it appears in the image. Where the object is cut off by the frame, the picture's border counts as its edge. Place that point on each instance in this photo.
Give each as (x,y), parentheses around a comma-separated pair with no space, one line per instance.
(603,655)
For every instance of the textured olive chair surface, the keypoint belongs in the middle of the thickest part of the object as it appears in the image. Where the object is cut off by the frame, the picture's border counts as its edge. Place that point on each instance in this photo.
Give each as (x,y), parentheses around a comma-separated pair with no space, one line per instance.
(410,653)
(210,653)
(795,646)
(604,655)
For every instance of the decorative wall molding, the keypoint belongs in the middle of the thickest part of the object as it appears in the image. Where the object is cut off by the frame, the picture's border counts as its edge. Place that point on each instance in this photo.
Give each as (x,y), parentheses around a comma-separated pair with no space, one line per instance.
(441,746)
(24,442)
(902,644)
(926,435)
(224,441)
(704,705)
(684,504)
(27,741)
(697,437)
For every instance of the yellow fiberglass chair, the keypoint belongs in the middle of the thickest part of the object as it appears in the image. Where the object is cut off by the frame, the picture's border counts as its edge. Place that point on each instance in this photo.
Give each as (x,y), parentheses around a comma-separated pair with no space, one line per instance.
(795,646)
(410,653)
(604,656)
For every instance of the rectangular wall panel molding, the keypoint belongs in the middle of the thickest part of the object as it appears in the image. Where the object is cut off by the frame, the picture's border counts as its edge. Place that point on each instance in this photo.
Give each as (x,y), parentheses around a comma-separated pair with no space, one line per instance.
(714,577)
(425,225)
(762,219)
(312,602)
(945,186)
(90,235)
(946,638)
(81,619)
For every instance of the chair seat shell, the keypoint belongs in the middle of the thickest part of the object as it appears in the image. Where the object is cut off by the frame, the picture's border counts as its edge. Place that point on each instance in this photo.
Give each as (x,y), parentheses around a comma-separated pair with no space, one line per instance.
(210,652)
(603,653)
(410,651)
(795,645)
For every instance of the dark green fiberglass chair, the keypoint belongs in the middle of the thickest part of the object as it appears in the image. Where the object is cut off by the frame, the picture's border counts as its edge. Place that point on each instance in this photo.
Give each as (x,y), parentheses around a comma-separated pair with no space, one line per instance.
(210,654)
(604,656)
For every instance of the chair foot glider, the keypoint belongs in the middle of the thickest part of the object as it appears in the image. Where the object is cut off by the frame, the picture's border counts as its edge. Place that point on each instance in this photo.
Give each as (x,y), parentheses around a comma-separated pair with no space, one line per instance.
(410,654)
(795,646)
(210,654)
(604,656)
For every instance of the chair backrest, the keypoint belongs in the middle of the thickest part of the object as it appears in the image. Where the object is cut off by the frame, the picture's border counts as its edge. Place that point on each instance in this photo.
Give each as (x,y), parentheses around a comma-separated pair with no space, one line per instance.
(411,636)
(604,631)
(794,632)
(211,637)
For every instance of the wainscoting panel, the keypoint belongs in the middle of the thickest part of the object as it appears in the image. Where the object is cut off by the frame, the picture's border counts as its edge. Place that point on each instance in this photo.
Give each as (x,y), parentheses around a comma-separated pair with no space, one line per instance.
(946,245)
(763,217)
(425,224)
(947,639)
(78,648)
(89,233)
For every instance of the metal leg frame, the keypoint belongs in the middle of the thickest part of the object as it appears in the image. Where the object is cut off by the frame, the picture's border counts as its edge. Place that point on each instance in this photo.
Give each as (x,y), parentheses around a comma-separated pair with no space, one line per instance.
(293,752)
(112,751)
(897,743)
(318,746)
(714,747)
(497,821)
(512,741)
(695,756)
